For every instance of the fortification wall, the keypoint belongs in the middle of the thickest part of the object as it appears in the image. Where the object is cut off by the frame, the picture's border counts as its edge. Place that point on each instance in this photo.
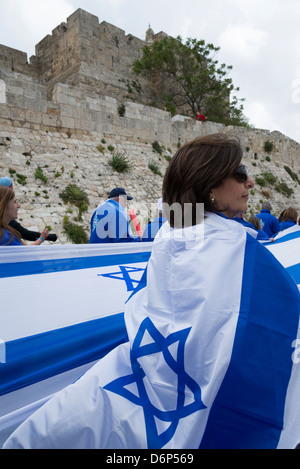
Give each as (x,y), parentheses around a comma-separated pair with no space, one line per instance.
(16,61)
(81,74)
(81,50)
(76,109)
(83,158)
(57,110)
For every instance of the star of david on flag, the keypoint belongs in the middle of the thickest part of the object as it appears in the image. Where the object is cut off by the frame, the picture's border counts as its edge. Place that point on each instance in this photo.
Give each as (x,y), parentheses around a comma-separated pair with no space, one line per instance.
(123,274)
(175,362)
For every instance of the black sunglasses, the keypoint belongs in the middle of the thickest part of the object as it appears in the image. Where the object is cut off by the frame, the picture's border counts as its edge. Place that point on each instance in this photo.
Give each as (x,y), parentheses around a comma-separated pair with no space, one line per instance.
(241,173)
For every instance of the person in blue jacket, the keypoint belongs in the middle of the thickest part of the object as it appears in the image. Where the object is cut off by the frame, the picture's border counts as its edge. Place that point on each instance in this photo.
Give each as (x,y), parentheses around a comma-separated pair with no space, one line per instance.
(289,218)
(153,226)
(109,223)
(269,222)
(261,235)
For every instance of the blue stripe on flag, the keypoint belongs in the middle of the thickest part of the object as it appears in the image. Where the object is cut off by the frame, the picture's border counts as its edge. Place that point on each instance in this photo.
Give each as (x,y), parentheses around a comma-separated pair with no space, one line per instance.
(283,239)
(15,269)
(294,271)
(249,408)
(35,358)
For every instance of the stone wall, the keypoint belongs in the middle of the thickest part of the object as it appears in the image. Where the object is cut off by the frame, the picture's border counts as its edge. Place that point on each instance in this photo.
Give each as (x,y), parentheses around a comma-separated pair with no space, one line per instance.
(55,114)
(82,158)
(81,75)
(75,109)
(16,61)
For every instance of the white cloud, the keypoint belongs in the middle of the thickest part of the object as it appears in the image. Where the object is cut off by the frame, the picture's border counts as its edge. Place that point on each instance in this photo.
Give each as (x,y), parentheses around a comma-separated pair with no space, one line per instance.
(244,42)
(296,91)
(28,22)
(260,116)
(185,27)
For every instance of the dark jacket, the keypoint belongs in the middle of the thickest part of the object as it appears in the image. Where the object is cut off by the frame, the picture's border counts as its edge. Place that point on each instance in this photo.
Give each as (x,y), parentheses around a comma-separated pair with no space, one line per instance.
(30,235)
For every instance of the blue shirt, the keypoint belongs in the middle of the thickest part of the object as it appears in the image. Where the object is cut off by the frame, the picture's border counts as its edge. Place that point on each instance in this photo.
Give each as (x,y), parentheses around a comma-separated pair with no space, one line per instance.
(109,224)
(286,224)
(269,223)
(261,235)
(4,240)
(152,228)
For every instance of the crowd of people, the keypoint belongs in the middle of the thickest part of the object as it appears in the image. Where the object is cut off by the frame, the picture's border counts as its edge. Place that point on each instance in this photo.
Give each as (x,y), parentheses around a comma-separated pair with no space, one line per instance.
(267,225)
(110,222)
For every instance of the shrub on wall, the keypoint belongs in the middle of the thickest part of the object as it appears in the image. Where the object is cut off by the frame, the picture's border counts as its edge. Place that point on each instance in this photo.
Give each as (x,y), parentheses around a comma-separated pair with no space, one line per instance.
(101,148)
(74,195)
(156,147)
(21,179)
(292,174)
(154,168)
(268,146)
(76,233)
(121,110)
(38,174)
(284,189)
(119,162)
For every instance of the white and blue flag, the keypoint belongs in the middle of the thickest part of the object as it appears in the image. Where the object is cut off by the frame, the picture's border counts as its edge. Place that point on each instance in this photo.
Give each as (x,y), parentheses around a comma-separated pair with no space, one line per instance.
(62,308)
(286,249)
(210,361)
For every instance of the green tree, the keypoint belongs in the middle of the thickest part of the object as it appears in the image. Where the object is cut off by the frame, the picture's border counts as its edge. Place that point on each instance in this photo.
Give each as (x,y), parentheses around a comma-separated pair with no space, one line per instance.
(191,78)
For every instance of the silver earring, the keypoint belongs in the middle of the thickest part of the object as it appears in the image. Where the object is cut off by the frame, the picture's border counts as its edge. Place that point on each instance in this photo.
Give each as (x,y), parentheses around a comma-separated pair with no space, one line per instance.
(212,200)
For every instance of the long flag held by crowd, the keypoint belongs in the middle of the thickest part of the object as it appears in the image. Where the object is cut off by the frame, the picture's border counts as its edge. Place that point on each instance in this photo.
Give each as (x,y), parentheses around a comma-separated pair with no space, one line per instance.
(207,364)
(62,308)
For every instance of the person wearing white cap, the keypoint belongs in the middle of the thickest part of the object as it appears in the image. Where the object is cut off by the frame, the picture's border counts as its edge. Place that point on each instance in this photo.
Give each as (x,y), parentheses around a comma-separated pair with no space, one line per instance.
(153,226)
(109,223)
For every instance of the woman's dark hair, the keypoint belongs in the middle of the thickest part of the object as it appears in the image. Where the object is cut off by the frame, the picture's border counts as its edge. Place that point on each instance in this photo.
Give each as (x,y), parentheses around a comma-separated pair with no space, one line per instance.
(196,168)
(290,214)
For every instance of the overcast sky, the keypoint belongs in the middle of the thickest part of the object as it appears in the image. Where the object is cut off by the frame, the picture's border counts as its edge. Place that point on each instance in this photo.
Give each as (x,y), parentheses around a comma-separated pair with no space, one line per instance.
(259,38)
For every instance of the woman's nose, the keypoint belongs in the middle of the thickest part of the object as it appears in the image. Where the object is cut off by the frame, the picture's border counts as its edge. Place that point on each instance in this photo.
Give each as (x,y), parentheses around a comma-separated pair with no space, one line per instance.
(250,183)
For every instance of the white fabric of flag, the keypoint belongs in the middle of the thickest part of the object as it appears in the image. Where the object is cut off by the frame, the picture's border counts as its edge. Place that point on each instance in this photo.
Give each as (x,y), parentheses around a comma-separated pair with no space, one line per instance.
(208,362)
(287,250)
(62,308)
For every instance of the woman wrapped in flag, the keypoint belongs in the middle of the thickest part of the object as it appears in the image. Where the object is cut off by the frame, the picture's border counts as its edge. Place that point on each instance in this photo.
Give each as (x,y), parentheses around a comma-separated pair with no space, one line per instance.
(212,331)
